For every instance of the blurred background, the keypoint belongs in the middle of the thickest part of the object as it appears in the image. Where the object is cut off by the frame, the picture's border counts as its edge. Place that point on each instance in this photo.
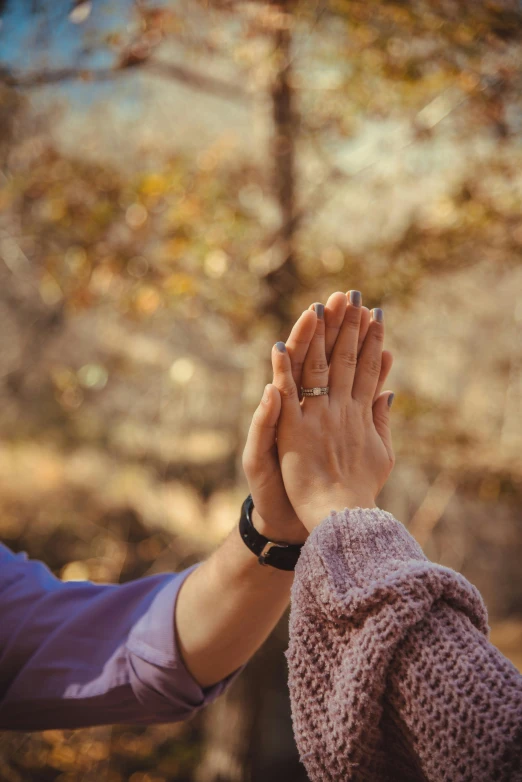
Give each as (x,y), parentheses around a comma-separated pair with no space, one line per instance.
(178,181)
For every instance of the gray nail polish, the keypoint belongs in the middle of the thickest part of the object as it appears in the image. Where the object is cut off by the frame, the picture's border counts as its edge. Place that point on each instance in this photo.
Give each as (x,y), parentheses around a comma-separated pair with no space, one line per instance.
(390,399)
(319,310)
(378,315)
(355,298)
(281,347)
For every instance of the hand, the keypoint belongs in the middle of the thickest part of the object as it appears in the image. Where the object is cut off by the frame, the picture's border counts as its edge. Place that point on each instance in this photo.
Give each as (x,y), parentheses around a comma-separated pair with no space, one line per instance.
(273,514)
(335,451)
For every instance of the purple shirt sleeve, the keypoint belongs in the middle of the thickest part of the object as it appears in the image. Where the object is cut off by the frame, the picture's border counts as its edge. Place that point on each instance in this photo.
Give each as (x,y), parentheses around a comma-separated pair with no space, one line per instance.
(76,654)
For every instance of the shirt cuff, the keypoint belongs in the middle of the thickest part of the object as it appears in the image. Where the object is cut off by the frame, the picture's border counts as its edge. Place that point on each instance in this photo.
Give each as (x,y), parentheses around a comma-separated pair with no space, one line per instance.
(158,674)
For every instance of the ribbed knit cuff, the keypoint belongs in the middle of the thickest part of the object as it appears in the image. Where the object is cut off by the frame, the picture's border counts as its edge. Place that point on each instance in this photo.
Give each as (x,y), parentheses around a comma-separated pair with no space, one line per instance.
(362,541)
(358,558)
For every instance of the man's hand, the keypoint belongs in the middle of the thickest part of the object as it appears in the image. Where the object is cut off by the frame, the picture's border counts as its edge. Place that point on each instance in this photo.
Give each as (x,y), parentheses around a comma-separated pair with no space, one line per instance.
(274,515)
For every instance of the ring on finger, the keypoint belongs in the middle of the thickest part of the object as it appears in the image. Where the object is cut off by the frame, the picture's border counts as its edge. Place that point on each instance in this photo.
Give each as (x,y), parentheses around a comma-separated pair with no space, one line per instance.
(315,391)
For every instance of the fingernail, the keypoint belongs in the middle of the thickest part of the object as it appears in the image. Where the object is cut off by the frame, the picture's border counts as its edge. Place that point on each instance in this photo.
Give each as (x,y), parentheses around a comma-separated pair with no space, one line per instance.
(355,298)
(265,394)
(390,399)
(281,347)
(378,315)
(319,310)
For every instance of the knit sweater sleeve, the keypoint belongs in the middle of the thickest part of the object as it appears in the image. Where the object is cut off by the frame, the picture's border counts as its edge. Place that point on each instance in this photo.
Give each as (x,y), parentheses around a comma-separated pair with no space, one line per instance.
(391,673)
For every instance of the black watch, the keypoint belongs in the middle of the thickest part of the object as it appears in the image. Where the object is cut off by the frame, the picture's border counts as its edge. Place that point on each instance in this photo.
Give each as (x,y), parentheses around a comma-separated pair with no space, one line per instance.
(282,556)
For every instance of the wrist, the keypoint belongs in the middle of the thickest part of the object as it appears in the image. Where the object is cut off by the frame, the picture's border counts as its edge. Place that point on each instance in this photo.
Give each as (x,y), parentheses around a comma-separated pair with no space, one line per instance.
(320,511)
(287,533)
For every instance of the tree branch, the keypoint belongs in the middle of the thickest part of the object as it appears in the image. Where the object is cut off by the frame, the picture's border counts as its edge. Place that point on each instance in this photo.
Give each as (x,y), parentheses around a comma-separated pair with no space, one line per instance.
(41,78)
(198,81)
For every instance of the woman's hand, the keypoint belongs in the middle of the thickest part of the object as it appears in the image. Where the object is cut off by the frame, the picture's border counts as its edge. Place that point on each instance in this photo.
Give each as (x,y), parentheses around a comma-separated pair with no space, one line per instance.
(274,515)
(335,451)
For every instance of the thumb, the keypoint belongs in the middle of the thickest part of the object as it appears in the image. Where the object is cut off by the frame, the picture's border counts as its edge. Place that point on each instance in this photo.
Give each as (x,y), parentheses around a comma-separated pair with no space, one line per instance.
(381,420)
(284,381)
(260,448)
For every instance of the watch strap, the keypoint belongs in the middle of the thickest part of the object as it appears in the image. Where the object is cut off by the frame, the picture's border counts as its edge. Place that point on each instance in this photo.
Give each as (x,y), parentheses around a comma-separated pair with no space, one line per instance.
(282,556)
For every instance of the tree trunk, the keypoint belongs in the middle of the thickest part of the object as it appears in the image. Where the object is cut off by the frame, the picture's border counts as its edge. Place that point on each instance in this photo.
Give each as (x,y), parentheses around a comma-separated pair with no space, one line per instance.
(283,278)
(227,727)
(248,732)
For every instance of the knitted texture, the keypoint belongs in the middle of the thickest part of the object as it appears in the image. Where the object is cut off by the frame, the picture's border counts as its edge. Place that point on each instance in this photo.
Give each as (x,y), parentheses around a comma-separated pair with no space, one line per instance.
(391,674)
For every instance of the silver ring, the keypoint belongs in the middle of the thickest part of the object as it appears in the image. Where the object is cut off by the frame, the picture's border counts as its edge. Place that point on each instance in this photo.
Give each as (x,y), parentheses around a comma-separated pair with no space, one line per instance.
(317,391)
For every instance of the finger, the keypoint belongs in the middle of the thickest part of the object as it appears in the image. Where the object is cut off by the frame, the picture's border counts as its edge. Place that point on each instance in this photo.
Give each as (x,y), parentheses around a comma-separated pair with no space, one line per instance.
(260,447)
(334,315)
(363,327)
(381,420)
(284,381)
(315,367)
(333,318)
(370,361)
(298,343)
(344,354)
(386,365)
(260,450)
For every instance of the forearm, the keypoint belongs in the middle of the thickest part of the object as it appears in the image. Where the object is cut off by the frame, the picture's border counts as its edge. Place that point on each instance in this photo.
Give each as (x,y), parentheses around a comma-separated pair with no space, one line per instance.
(364,591)
(78,654)
(465,692)
(227,608)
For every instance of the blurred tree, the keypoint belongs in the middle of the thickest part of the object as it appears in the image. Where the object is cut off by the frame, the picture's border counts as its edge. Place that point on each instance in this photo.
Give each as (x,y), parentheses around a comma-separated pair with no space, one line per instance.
(284,279)
(365,101)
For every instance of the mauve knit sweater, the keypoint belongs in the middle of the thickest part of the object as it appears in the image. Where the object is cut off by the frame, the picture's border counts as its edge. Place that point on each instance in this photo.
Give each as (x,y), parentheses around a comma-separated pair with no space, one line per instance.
(392,676)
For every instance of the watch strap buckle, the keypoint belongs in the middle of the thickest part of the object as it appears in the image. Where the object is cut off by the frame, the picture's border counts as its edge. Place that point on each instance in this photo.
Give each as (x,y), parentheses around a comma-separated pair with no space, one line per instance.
(266,550)
(282,556)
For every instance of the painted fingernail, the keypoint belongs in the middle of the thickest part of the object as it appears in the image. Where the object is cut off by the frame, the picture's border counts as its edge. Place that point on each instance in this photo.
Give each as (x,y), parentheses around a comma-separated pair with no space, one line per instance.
(390,399)
(319,310)
(378,315)
(281,347)
(355,298)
